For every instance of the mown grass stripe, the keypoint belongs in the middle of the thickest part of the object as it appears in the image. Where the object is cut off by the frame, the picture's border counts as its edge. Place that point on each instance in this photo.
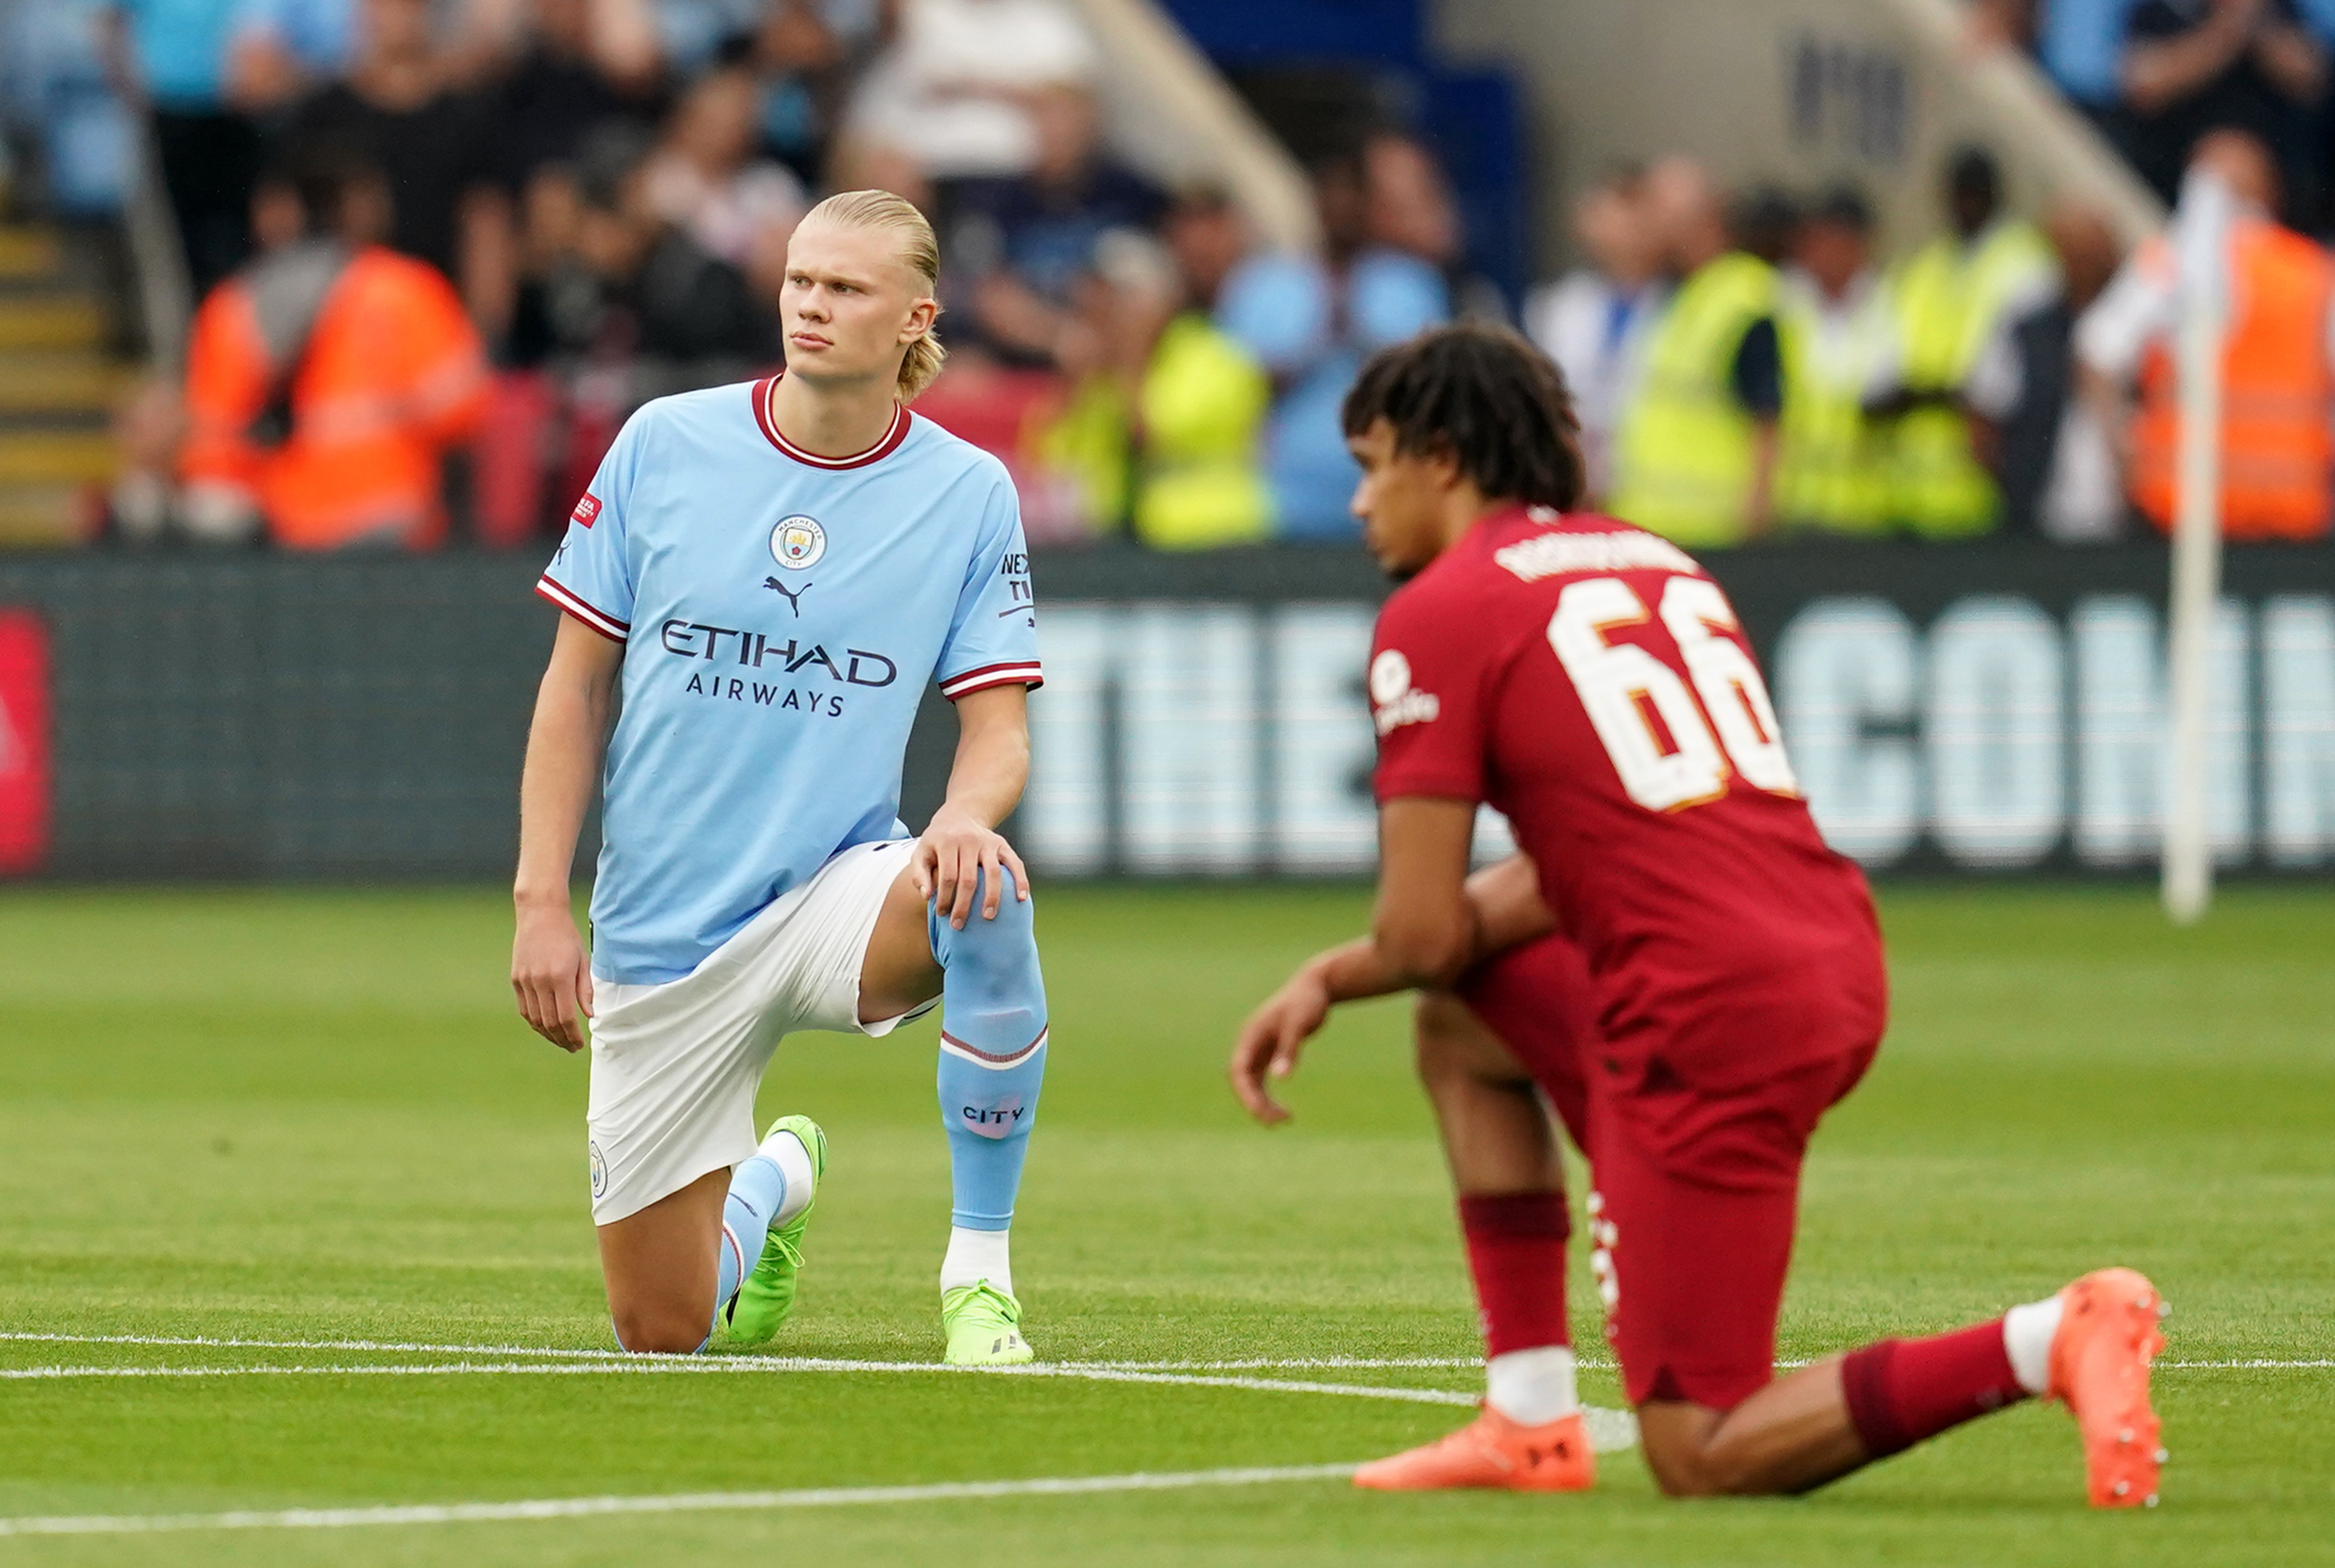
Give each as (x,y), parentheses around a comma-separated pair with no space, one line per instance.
(683,1502)
(1042,1369)
(1610,1430)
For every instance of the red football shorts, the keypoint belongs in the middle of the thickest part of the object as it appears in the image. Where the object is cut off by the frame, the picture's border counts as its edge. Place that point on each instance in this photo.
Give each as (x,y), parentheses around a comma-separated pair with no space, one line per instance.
(1697,1189)
(1538,998)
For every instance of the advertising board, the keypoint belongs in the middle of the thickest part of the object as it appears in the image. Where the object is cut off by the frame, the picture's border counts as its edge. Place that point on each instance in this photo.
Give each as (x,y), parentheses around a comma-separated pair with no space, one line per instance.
(26,776)
(1993,709)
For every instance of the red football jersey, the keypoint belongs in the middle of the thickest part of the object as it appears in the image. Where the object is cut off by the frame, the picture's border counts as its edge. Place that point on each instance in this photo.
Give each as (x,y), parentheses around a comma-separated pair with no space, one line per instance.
(1588,681)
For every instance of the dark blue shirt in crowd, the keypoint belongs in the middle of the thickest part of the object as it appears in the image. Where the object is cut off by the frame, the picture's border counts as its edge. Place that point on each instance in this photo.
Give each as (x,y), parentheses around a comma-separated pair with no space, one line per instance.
(1045,235)
(1757,374)
(2240,98)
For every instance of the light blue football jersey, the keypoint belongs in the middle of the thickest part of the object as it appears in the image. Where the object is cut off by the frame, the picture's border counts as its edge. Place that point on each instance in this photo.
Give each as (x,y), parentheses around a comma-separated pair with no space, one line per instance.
(781,615)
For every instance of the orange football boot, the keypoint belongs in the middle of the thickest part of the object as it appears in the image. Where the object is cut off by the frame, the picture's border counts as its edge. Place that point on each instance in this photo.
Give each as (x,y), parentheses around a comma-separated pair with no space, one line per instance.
(2099,1369)
(1492,1451)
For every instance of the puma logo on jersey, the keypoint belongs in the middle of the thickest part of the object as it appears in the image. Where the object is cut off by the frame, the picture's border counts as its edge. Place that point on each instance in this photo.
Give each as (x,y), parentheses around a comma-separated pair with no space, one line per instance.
(793,596)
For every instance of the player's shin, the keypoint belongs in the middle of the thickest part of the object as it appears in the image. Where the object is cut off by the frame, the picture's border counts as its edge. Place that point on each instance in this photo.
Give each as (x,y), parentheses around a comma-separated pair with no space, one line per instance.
(1515,1252)
(988,1106)
(759,1193)
(2088,1346)
(1530,1437)
(989,1102)
(993,1062)
(1901,1391)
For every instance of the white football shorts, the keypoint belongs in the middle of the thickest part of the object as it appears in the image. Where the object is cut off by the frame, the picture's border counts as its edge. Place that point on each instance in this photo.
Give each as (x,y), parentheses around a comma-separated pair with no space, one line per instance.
(675,1065)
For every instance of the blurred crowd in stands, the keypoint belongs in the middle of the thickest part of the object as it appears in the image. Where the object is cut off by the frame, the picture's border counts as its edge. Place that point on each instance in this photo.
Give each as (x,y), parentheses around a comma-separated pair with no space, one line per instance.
(605,188)
(2156,76)
(473,234)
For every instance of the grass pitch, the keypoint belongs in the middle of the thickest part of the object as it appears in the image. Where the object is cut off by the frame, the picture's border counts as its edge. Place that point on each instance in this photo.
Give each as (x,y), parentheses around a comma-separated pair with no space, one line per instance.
(310,1119)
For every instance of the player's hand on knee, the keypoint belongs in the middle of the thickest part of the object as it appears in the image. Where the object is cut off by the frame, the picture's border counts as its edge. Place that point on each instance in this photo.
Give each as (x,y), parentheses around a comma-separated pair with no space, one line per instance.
(552,978)
(1271,1041)
(959,855)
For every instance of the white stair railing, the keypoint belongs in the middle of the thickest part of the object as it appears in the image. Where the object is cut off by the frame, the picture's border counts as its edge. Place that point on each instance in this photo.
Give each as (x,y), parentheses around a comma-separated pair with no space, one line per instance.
(1169,104)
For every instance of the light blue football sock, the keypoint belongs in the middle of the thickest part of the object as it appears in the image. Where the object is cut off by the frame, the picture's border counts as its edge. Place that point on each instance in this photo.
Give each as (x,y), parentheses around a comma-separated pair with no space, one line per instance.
(992,1053)
(758,1190)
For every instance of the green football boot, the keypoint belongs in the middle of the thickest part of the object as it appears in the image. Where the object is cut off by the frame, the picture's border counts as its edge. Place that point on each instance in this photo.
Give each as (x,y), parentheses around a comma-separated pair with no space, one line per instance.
(767,1295)
(983,1325)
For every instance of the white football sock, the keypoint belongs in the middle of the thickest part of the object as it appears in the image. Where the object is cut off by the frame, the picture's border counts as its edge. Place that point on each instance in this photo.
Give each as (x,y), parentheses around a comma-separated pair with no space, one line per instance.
(2026,1334)
(783,1149)
(1532,1388)
(977,1256)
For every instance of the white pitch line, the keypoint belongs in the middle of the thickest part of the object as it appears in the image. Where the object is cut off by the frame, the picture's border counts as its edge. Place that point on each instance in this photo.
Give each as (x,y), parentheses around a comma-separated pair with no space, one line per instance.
(1103,1371)
(817,1364)
(1295,1363)
(404,1370)
(710,1502)
(389,1347)
(685,1502)
(734,1365)
(1204,1380)
(1610,1431)
(407,1347)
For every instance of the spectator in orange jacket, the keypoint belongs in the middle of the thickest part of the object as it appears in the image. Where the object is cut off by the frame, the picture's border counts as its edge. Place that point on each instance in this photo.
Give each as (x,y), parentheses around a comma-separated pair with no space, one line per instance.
(326,379)
(2278,364)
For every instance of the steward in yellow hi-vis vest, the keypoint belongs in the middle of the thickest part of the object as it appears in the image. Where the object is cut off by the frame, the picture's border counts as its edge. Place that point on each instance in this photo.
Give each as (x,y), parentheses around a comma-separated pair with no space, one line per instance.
(1687,460)
(1695,451)
(1838,326)
(1950,298)
(1202,407)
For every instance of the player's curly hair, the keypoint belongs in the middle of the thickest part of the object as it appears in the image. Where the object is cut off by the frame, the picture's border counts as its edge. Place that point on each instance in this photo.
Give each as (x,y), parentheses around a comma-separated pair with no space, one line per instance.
(1487,397)
(918,248)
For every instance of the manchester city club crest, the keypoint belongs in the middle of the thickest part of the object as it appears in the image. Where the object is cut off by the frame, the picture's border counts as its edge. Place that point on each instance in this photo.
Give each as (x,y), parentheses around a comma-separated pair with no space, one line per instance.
(797,543)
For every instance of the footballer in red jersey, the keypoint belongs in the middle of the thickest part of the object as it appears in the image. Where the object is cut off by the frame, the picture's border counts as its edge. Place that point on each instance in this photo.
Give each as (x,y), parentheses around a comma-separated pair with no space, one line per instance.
(1675,963)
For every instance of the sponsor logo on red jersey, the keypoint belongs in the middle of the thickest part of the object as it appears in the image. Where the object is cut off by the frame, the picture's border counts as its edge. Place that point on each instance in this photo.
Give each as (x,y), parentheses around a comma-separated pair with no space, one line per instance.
(586,510)
(1392,698)
(27,780)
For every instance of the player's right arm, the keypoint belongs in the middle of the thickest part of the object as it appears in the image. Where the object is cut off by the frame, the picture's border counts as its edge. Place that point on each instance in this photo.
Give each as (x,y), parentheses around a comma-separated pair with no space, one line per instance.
(1505,903)
(1431,668)
(551,974)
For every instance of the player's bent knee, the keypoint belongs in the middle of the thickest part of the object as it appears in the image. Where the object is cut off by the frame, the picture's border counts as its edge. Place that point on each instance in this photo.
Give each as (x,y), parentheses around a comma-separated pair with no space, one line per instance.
(659,1335)
(1684,1477)
(992,978)
(661,1322)
(1008,940)
(659,1332)
(1709,1470)
(1016,919)
(1438,1027)
(1451,1043)
(1675,1441)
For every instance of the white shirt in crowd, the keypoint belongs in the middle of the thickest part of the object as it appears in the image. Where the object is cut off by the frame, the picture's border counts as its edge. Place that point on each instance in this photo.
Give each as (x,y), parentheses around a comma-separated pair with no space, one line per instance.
(1596,334)
(2083,498)
(727,216)
(2138,308)
(942,94)
(1850,341)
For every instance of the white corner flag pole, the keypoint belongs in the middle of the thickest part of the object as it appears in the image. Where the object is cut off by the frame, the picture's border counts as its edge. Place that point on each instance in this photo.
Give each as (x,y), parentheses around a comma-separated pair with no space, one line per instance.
(2202,248)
